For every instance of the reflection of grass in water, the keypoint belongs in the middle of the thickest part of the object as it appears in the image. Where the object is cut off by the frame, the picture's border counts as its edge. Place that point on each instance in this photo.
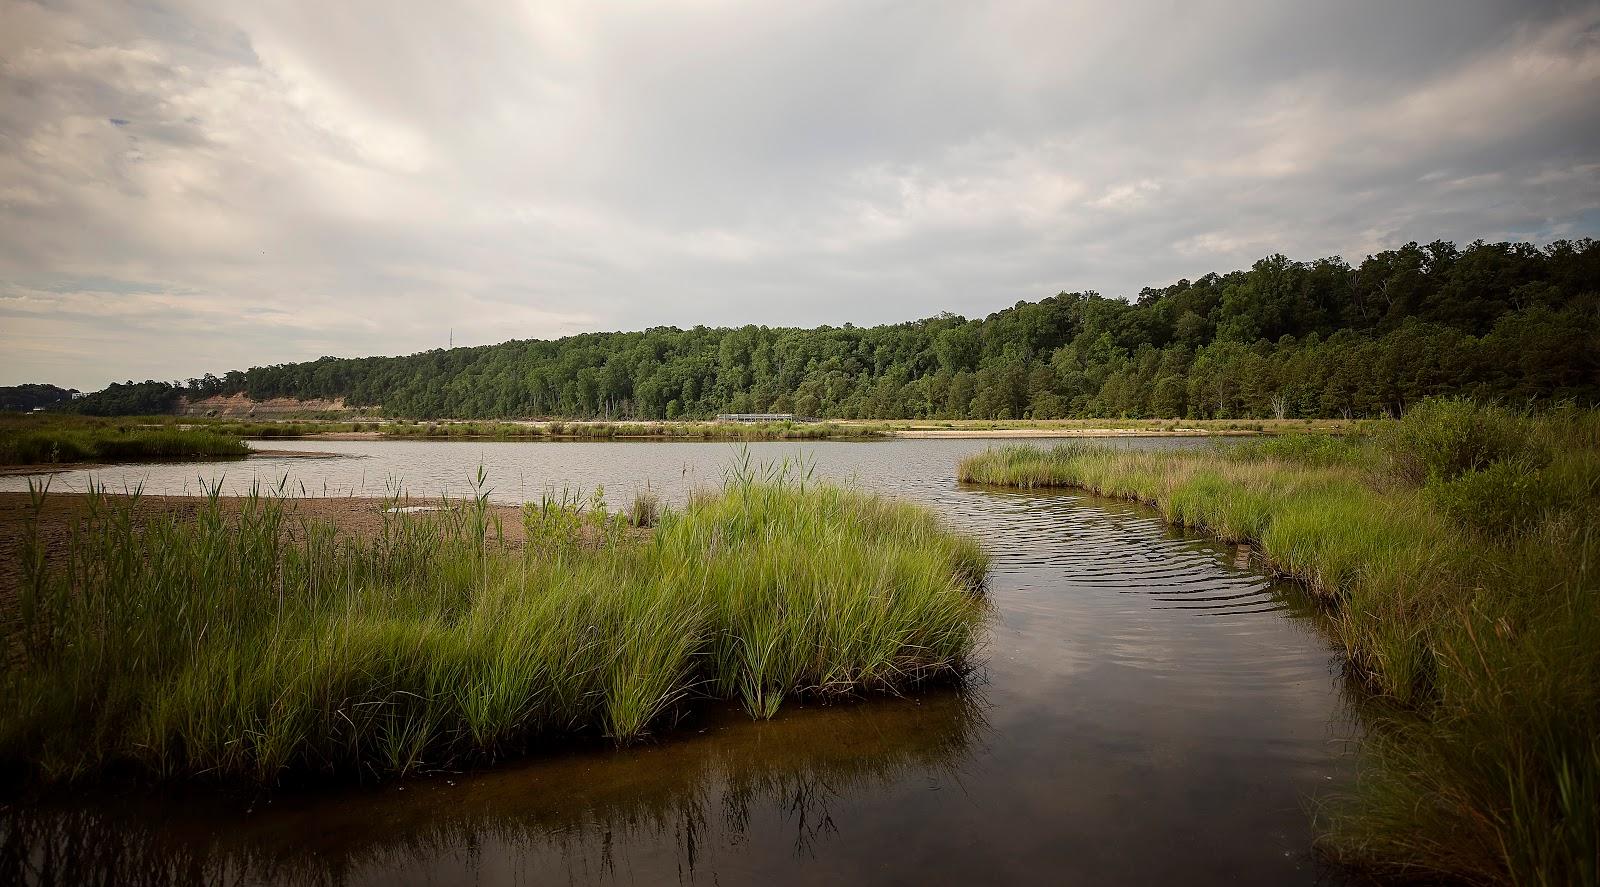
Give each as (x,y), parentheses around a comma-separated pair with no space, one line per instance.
(586,819)
(249,647)
(1457,549)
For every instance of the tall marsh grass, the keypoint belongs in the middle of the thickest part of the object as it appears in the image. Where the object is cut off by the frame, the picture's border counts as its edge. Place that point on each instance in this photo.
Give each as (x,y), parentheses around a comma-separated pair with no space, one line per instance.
(1457,550)
(44,444)
(248,643)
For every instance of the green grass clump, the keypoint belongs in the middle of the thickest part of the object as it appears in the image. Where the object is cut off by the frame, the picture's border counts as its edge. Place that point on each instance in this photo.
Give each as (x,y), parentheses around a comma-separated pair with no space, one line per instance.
(252,644)
(645,510)
(1456,550)
(263,430)
(55,443)
(1304,448)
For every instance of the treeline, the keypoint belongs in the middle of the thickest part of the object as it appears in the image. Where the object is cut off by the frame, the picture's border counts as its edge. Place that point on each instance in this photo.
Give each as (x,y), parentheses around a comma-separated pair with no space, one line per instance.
(1285,338)
(132,398)
(22,398)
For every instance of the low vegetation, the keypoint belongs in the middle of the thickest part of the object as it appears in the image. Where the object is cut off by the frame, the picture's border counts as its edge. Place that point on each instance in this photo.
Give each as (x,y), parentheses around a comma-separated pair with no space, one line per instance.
(1457,550)
(258,429)
(1131,427)
(562,430)
(246,644)
(35,441)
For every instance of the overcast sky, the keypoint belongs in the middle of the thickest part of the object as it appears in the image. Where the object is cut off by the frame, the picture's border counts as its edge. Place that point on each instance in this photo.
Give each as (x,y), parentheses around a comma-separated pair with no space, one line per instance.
(193,187)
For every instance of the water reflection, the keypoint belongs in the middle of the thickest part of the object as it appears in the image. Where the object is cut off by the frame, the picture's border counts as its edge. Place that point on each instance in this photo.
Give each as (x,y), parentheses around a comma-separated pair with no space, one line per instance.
(1155,710)
(519,470)
(687,806)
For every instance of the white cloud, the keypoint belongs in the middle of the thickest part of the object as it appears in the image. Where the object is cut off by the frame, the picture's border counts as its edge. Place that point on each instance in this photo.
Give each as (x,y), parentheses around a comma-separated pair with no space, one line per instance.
(1127,196)
(302,178)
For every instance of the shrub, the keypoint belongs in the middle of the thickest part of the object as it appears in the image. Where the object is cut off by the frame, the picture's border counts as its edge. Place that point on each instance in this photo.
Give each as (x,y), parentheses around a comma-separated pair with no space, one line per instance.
(1505,498)
(1513,496)
(1441,440)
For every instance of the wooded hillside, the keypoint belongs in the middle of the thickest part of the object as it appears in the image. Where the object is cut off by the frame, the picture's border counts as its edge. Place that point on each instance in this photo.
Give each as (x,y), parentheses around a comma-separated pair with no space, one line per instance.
(1284,338)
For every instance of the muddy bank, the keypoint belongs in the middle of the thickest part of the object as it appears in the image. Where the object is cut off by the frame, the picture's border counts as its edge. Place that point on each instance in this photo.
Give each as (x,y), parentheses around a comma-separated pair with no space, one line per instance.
(293,454)
(50,468)
(61,467)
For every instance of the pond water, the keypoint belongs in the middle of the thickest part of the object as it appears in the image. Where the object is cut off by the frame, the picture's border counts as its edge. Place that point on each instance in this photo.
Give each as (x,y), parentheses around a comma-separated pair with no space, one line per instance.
(1152,710)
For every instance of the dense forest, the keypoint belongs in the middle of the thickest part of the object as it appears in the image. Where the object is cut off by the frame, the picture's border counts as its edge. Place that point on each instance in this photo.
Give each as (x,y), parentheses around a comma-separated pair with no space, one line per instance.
(1506,321)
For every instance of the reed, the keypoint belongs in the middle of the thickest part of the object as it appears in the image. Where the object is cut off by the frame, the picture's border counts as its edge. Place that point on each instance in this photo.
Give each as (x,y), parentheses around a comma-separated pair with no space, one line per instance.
(1456,551)
(53,443)
(645,510)
(271,429)
(254,645)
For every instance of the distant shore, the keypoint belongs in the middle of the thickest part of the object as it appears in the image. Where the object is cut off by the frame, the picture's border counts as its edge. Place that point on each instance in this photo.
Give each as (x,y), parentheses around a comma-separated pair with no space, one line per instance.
(907,433)
(55,443)
(877,432)
(1002,433)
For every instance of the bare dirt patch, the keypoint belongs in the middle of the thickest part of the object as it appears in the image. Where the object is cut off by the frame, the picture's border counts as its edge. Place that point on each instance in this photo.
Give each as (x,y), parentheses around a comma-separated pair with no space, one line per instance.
(242,405)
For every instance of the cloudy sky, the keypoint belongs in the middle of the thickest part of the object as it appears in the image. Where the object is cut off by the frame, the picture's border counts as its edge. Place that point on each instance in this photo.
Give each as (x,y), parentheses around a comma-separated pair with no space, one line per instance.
(192,187)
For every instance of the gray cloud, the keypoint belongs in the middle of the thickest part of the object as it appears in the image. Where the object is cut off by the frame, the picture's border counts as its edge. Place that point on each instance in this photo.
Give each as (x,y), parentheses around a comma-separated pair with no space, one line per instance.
(199,186)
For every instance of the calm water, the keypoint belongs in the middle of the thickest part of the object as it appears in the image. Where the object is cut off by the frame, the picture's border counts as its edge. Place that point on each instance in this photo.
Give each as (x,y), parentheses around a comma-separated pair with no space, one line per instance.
(1152,711)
